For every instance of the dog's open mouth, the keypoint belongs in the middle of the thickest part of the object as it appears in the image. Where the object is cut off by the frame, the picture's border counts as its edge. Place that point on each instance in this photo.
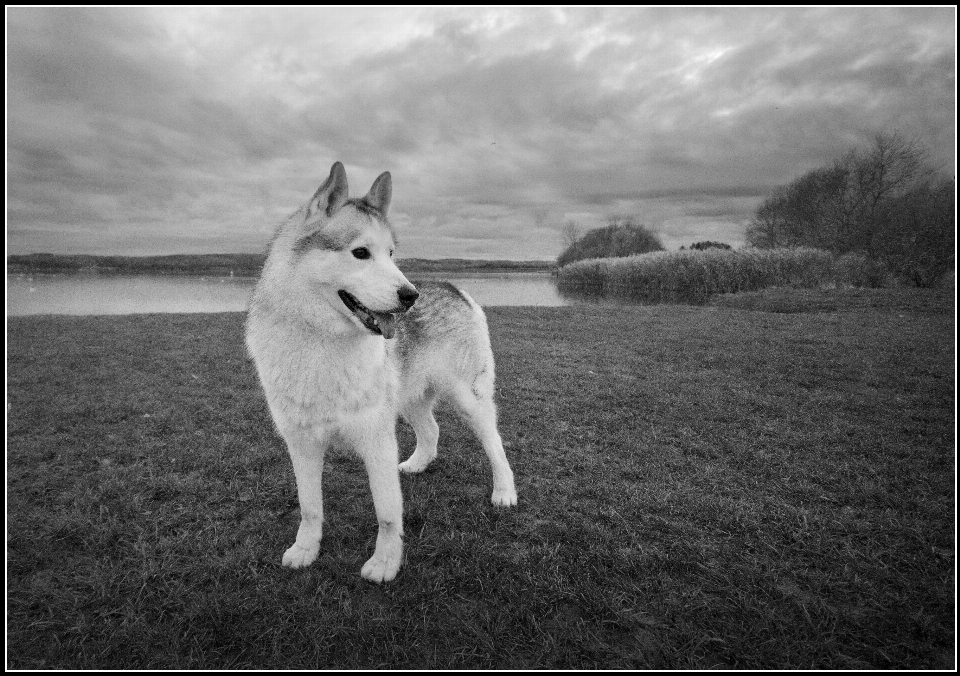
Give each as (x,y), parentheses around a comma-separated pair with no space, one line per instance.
(381,323)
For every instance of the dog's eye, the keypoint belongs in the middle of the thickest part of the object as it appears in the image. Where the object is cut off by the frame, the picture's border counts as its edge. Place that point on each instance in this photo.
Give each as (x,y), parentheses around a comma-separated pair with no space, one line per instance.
(391,253)
(361,252)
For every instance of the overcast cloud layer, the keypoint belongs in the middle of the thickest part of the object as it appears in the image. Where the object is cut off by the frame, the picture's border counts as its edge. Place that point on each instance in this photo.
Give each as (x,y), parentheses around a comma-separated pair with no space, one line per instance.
(146,131)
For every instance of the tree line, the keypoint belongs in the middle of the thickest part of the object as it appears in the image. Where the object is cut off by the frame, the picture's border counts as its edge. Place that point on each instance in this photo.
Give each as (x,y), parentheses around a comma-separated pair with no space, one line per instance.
(885,201)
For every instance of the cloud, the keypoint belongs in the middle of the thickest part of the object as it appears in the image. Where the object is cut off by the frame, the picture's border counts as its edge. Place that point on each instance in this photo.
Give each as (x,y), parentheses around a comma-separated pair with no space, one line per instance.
(162,130)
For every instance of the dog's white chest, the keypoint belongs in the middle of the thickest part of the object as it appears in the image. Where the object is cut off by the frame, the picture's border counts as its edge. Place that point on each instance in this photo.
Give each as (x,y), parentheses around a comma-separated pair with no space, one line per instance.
(311,382)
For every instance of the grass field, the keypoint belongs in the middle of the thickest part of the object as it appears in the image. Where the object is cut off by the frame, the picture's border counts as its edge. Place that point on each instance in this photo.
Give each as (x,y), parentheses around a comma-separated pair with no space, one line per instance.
(764,482)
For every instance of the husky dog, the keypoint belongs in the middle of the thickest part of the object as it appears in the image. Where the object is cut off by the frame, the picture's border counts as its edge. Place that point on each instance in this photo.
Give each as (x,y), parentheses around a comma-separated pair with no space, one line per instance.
(343,343)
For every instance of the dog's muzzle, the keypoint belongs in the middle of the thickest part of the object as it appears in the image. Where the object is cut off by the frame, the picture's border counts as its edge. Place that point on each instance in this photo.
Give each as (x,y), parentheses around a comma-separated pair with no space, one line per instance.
(408,296)
(381,323)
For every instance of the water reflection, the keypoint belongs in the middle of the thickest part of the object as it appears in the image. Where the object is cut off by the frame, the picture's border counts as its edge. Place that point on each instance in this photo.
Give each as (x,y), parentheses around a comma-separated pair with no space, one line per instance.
(113,295)
(122,294)
(590,296)
(514,288)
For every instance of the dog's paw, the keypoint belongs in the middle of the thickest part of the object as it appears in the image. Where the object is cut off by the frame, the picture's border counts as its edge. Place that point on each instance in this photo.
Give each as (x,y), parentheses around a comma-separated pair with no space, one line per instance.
(385,562)
(380,569)
(299,556)
(504,497)
(412,466)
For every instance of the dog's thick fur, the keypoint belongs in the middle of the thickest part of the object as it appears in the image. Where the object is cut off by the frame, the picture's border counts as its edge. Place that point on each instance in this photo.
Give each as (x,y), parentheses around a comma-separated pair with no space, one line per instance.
(343,343)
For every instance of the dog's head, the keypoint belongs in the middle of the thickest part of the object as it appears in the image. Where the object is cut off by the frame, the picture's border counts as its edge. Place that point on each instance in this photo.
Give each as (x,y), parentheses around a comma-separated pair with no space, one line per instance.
(344,251)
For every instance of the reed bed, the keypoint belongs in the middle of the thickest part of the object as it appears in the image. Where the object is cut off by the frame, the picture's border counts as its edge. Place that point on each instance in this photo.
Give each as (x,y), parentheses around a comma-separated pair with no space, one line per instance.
(694,276)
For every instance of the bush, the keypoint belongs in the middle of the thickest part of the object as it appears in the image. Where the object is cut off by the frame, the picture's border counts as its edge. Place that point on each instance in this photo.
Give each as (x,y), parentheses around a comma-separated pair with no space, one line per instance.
(856,269)
(622,237)
(703,246)
(916,233)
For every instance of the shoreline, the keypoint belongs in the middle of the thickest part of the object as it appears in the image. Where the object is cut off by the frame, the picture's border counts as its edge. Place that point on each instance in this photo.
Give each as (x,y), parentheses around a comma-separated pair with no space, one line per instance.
(226,265)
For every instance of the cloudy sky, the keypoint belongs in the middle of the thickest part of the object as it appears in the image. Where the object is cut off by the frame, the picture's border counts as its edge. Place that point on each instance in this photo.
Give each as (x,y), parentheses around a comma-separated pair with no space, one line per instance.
(169,130)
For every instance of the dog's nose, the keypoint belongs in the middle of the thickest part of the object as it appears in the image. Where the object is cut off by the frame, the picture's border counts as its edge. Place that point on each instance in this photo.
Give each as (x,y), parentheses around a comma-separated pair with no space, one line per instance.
(408,296)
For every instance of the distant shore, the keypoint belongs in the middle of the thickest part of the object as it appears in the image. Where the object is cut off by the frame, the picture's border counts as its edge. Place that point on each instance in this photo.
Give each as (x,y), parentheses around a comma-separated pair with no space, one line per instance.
(240,265)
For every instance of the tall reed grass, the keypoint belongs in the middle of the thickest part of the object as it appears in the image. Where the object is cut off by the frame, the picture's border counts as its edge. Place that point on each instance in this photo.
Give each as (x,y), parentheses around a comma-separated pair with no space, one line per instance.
(694,276)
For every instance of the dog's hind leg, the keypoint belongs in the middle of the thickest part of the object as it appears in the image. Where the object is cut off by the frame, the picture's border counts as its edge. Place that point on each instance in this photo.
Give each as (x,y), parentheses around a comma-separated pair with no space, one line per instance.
(419,414)
(306,452)
(475,404)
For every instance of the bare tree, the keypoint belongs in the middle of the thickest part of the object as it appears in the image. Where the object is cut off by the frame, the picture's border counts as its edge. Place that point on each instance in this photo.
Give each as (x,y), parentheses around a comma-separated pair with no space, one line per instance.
(852,205)
(836,207)
(571,233)
(807,212)
(889,168)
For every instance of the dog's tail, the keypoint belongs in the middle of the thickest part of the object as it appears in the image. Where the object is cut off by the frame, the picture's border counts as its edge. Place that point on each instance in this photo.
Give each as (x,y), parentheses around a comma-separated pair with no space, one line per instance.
(474,304)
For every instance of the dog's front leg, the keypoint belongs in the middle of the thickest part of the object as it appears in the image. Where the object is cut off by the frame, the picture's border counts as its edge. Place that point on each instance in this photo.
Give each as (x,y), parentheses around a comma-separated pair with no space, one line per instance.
(379,452)
(306,451)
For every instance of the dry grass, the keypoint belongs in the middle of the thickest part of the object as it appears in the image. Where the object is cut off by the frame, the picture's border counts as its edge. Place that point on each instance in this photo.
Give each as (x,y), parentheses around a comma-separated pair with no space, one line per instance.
(695,276)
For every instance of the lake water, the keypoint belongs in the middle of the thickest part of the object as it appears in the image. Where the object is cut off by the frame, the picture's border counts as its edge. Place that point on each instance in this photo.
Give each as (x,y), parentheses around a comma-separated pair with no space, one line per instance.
(107,295)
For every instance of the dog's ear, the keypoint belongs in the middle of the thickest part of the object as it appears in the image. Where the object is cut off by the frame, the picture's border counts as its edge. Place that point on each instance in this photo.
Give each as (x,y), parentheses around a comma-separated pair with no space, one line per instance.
(379,195)
(332,194)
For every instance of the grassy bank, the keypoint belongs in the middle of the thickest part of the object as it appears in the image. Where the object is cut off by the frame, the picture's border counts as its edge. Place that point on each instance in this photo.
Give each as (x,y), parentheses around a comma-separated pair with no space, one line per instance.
(766,482)
(694,276)
(241,265)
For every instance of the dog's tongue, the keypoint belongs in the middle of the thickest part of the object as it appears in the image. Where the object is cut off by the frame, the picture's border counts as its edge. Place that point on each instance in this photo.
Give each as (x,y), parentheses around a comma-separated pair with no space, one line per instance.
(387,323)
